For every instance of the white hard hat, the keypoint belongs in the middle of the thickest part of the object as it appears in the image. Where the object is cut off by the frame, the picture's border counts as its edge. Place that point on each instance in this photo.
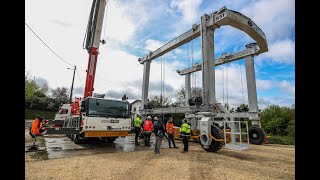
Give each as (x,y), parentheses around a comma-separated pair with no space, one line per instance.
(149,117)
(155,118)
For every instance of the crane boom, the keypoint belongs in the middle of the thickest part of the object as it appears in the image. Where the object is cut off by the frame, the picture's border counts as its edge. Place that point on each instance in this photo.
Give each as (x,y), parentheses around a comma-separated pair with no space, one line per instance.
(92,43)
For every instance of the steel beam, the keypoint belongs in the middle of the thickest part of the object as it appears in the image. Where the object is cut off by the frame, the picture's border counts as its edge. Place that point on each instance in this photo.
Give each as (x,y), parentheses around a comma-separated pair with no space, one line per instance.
(223,59)
(208,70)
(216,19)
(187,89)
(145,83)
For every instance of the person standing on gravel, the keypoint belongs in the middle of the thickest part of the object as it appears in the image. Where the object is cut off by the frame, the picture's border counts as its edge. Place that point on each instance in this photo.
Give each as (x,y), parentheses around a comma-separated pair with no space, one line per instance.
(160,134)
(147,130)
(137,128)
(185,134)
(170,131)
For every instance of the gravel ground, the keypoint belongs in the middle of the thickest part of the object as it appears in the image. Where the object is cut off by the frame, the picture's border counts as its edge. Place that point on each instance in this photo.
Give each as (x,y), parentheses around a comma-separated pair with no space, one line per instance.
(268,161)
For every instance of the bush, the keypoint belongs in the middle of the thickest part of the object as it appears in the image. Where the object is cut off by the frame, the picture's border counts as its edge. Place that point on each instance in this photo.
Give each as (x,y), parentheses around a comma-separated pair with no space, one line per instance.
(32,113)
(286,140)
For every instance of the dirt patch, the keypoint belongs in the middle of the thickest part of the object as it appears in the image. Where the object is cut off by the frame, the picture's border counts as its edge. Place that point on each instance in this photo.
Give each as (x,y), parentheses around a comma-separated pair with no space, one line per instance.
(259,162)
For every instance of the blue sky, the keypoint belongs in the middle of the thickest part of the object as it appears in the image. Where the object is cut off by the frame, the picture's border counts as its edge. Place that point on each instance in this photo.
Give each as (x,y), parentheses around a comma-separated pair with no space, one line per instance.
(134,27)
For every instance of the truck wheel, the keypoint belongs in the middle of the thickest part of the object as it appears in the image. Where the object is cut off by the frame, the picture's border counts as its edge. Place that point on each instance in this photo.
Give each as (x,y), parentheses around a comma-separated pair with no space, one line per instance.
(76,139)
(215,145)
(256,135)
(72,137)
(111,139)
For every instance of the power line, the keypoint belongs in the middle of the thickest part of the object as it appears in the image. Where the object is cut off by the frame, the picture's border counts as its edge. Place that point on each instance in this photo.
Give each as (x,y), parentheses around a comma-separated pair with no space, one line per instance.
(73,65)
(48,46)
(119,84)
(79,78)
(114,82)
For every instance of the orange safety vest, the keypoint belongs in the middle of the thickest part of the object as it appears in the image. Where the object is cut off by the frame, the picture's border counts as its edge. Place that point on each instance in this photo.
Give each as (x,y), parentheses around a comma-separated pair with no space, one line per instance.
(147,125)
(169,128)
(36,126)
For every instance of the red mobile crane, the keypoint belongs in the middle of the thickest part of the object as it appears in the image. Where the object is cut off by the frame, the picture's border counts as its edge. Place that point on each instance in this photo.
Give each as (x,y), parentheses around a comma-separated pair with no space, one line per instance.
(91,116)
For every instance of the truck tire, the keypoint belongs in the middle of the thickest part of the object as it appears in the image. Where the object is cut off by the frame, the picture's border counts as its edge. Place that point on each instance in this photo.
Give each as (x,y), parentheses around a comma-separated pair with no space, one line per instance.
(76,139)
(215,145)
(72,137)
(256,135)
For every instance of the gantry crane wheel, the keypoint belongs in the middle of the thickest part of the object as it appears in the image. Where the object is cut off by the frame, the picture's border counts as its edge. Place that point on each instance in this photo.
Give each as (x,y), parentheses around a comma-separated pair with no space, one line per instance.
(256,135)
(215,145)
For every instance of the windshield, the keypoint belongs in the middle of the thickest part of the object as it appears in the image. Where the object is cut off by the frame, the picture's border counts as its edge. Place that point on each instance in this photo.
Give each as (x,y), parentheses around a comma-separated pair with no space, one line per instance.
(108,108)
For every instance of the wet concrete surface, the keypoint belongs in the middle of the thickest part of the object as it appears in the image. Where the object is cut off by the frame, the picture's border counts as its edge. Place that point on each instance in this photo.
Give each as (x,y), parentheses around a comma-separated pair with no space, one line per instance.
(62,146)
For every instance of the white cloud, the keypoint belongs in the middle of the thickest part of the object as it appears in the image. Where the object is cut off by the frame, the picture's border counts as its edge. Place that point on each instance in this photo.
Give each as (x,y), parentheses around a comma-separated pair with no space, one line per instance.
(287,87)
(118,25)
(281,52)
(138,23)
(274,17)
(264,84)
(188,8)
(152,45)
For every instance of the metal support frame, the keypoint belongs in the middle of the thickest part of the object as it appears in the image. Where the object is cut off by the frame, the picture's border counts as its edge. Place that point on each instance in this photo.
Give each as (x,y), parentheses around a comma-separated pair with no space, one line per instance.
(252,90)
(210,109)
(208,70)
(205,29)
(187,89)
(223,59)
(145,83)
(238,132)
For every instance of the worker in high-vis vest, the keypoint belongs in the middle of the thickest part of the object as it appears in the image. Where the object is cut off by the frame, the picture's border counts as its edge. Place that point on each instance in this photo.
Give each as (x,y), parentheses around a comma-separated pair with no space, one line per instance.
(137,128)
(185,130)
(36,128)
(170,131)
(147,130)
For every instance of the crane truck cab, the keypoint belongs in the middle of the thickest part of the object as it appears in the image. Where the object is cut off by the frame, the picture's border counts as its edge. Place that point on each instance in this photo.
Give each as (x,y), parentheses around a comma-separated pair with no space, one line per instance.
(63,112)
(100,118)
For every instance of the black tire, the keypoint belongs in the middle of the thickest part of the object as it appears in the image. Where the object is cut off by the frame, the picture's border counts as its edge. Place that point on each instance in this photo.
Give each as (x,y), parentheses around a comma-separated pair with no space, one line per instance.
(215,145)
(76,139)
(256,135)
(72,137)
(111,139)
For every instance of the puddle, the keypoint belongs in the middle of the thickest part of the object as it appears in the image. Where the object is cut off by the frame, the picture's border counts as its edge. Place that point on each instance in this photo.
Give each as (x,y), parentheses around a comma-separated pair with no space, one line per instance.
(60,147)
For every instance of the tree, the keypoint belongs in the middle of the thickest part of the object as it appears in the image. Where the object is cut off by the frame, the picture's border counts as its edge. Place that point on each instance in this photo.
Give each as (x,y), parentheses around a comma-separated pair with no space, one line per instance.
(278,120)
(34,94)
(155,102)
(124,97)
(60,96)
(242,108)
(181,95)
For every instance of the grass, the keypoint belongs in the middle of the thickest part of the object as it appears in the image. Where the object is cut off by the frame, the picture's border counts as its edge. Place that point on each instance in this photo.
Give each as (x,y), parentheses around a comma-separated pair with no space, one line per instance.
(286,140)
(32,113)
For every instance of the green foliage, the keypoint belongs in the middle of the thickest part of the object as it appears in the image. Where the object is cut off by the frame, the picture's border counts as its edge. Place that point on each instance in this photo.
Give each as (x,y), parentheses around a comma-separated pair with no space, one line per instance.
(36,96)
(156,101)
(181,94)
(278,120)
(32,113)
(286,140)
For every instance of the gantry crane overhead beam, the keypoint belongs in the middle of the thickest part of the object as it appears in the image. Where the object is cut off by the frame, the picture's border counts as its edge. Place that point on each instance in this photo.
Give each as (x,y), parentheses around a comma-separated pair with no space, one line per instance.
(216,19)
(252,49)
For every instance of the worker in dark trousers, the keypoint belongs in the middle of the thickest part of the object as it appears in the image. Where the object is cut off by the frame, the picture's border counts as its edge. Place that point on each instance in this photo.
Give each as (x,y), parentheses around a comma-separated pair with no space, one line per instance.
(147,130)
(137,128)
(170,132)
(36,129)
(185,130)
